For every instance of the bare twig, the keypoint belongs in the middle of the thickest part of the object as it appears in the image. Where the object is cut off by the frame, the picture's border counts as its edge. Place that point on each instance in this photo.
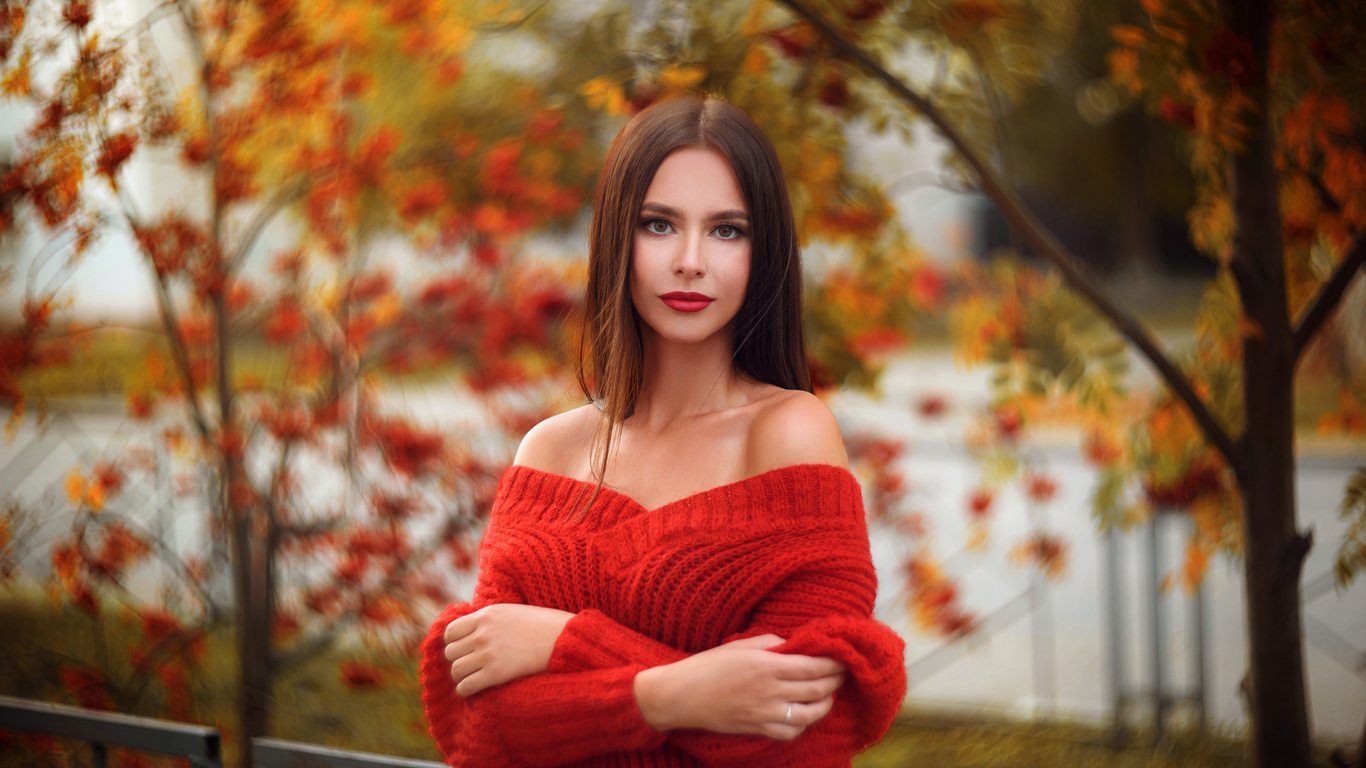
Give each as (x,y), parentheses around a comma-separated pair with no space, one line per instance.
(490,27)
(179,351)
(149,19)
(1019,217)
(267,212)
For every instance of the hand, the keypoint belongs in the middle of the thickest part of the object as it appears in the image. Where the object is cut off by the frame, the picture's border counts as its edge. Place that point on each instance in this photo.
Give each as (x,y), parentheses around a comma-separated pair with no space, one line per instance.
(501,642)
(740,687)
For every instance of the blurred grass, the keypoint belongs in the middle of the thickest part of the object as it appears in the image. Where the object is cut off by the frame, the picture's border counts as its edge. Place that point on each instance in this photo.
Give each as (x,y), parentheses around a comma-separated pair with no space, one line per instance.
(929,740)
(313,705)
(106,363)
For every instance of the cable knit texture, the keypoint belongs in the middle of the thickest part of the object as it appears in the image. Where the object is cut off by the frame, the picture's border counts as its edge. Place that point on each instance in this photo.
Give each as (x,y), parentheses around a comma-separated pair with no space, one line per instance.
(784,552)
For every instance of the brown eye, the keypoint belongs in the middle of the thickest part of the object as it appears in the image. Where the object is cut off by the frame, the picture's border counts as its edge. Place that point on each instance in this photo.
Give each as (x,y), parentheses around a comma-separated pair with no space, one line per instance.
(658,227)
(728,232)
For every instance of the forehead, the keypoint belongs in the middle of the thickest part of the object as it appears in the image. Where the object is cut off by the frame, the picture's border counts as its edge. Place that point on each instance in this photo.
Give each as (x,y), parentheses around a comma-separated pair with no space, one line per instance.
(698,181)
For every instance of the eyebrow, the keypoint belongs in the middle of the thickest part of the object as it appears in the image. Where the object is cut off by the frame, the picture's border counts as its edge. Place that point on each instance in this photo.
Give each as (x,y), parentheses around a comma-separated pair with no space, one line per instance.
(674,213)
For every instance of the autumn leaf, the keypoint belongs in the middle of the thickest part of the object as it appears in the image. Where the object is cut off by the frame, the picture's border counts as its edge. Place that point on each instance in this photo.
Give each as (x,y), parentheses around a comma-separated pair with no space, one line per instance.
(1128,36)
(606,94)
(17,80)
(680,78)
(1044,551)
(114,151)
(87,686)
(361,675)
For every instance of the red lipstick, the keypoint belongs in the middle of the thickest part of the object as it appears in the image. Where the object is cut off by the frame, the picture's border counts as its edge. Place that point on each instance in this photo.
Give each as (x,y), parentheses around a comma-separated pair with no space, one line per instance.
(684,301)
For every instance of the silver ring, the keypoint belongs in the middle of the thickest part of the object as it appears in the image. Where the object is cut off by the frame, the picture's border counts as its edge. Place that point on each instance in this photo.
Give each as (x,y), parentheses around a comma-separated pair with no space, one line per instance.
(788,716)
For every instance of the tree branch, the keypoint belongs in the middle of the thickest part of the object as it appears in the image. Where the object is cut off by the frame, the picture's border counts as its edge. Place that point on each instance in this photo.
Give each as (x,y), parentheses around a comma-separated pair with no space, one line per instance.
(171,325)
(147,21)
(310,647)
(263,217)
(1037,236)
(1329,295)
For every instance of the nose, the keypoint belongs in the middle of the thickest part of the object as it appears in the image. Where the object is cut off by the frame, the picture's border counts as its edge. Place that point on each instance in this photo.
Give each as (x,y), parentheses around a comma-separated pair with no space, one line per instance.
(688,261)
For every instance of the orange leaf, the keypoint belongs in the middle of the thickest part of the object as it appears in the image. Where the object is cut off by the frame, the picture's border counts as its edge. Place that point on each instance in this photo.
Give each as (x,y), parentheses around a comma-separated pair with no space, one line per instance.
(75,487)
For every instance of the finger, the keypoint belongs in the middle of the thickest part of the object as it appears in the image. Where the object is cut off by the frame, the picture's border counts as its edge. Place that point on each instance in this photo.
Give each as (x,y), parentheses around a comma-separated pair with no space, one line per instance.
(462,647)
(463,667)
(460,628)
(758,641)
(794,718)
(780,732)
(797,667)
(472,684)
(806,691)
(804,715)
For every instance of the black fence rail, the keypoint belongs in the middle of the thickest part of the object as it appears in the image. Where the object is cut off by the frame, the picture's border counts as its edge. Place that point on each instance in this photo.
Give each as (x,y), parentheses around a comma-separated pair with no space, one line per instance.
(277,753)
(201,744)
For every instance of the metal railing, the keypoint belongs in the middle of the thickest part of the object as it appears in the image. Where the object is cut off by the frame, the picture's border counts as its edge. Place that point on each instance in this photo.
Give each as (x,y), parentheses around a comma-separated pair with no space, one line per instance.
(277,753)
(201,744)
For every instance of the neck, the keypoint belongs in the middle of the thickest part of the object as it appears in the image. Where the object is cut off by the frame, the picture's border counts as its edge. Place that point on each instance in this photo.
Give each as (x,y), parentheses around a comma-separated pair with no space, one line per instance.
(682,380)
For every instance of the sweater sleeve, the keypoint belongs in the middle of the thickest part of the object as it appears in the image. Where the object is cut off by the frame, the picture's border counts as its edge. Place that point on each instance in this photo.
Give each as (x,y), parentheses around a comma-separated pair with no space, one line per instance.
(543,720)
(824,610)
(584,704)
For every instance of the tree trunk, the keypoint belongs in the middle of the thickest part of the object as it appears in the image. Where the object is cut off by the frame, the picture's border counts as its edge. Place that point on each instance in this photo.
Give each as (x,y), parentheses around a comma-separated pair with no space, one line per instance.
(253,627)
(1274,549)
(251,574)
(1274,554)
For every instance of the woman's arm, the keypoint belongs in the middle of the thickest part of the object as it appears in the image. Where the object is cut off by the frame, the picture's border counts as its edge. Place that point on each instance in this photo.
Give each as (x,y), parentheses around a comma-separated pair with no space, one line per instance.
(542,720)
(822,612)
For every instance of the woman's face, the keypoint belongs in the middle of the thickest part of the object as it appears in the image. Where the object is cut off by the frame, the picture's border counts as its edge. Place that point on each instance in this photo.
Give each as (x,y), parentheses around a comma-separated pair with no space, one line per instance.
(691,248)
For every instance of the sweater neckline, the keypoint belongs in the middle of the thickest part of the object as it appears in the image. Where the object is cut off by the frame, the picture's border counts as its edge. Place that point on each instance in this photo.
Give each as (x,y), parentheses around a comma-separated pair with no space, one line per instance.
(692,498)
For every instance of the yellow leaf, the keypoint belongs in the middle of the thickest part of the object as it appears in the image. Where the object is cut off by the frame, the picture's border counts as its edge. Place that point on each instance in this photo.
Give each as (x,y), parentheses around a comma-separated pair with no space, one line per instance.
(75,487)
(326,297)
(605,94)
(1212,226)
(681,78)
(95,497)
(386,309)
(1193,571)
(755,63)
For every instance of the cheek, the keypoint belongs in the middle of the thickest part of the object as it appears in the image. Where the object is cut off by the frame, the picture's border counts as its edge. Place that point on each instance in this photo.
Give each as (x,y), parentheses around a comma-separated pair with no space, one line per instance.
(742,269)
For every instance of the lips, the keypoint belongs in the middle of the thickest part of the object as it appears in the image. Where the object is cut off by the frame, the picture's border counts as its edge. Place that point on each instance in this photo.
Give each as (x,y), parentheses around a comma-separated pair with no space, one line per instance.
(684,301)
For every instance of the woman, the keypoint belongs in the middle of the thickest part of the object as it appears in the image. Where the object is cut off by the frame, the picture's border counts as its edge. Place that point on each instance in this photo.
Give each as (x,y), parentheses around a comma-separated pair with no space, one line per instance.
(678,574)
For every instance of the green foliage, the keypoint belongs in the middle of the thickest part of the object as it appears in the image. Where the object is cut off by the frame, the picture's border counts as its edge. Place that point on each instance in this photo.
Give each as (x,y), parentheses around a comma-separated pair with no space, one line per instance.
(1107,498)
(1351,558)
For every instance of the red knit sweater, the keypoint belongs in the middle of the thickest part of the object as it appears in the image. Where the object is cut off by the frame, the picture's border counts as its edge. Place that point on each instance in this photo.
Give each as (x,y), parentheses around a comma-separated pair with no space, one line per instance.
(784,552)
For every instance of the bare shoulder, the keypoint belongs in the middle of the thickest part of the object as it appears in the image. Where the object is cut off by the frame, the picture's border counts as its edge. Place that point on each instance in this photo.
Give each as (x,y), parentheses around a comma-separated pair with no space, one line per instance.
(560,443)
(794,427)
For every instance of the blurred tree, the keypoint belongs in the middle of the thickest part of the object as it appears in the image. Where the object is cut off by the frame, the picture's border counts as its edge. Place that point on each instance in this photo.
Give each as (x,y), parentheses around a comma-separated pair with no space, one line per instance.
(362,124)
(1076,129)
(362,120)
(1271,97)
(324,111)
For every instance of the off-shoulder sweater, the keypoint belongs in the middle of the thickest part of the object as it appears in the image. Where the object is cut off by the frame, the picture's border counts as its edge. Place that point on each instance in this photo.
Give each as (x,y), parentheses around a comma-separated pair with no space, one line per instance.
(784,552)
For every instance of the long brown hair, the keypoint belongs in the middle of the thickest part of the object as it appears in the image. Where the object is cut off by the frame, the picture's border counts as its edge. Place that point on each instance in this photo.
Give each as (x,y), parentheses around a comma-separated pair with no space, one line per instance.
(768,345)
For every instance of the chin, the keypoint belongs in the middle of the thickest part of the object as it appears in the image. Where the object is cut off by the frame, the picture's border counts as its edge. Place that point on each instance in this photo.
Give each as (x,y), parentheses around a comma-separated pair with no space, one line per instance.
(678,333)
